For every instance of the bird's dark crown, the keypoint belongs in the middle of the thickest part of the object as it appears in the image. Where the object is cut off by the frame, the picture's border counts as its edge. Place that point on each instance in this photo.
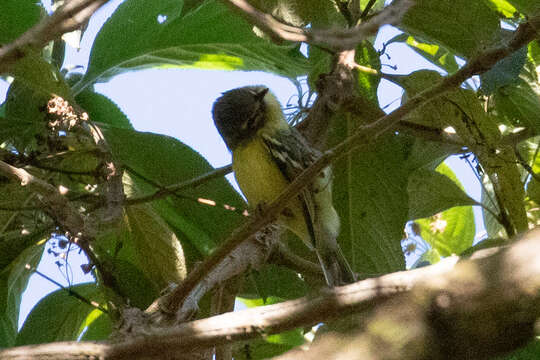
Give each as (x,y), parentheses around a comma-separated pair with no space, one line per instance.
(239,113)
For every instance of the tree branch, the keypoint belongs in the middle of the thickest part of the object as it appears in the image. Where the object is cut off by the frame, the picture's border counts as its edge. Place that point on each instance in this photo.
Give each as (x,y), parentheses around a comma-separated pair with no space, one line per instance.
(333,39)
(250,254)
(480,310)
(67,18)
(477,308)
(173,189)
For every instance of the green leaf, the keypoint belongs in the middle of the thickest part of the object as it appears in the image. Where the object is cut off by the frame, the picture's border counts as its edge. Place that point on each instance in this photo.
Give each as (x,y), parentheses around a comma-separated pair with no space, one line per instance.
(40,76)
(137,285)
(527,7)
(17,16)
(97,326)
(159,253)
(505,72)
(431,256)
(370,195)
(530,351)
(102,110)
(24,120)
(503,7)
(166,161)
(534,52)
(20,229)
(366,55)
(519,104)
(319,63)
(8,318)
(461,26)
(36,81)
(272,281)
(270,345)
(479,131)
(61,314)
(431,192)
(210,36)
(485,244)
(13,282)
(451,231)
(434,53)
(260,349)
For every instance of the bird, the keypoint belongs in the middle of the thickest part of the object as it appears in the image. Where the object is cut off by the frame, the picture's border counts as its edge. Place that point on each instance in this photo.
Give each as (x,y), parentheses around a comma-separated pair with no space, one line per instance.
(267,154)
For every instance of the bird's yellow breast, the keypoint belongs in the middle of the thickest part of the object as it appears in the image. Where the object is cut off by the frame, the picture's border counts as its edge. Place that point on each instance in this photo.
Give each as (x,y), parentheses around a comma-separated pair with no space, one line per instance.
(262,182)
(256,173)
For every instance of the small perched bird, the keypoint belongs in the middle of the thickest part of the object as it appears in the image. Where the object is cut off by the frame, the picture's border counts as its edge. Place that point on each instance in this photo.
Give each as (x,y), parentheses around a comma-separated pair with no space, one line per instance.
(267,155)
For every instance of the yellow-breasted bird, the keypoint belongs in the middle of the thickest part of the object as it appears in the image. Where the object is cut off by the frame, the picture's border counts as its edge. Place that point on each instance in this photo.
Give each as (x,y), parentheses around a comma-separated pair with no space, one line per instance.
(267,155)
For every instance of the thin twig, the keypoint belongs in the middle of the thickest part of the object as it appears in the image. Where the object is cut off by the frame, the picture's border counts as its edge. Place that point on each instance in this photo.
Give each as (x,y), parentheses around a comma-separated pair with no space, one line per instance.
(173,189)
(67,289)
(366,10)
(525,165)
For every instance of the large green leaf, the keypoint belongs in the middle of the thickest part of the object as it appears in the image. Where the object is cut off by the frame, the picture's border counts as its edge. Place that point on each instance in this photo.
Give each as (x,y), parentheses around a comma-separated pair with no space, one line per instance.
(210,36)
(519,104)
(431,192)
(40,76)
(166,161)
(102,110)
(463,27)
(158,252)
(505,71)
(479,131)
(13,282)
(370,192)
(370,195)
(17,16)
(36,81)
(59,316)
(451,231)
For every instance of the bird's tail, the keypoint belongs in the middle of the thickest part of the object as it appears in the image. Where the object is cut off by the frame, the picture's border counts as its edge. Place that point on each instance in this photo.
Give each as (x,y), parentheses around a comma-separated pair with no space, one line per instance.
(336,269)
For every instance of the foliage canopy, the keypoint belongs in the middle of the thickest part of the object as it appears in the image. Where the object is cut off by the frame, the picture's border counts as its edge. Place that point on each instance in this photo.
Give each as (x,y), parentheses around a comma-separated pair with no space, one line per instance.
(138,243)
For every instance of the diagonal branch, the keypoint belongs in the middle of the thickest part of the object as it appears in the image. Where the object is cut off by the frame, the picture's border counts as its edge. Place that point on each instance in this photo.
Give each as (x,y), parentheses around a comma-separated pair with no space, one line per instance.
(363,137)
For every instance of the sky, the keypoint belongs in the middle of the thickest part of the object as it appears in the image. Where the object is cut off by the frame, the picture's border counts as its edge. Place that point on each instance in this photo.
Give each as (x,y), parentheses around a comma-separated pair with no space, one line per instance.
(177,102)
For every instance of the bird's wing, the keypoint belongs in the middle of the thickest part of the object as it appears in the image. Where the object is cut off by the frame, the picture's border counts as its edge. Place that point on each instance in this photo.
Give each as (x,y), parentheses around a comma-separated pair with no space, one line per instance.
(293,155)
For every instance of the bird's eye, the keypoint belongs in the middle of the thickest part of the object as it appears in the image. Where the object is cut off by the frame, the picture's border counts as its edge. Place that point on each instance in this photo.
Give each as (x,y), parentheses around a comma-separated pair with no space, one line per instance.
(251,122)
